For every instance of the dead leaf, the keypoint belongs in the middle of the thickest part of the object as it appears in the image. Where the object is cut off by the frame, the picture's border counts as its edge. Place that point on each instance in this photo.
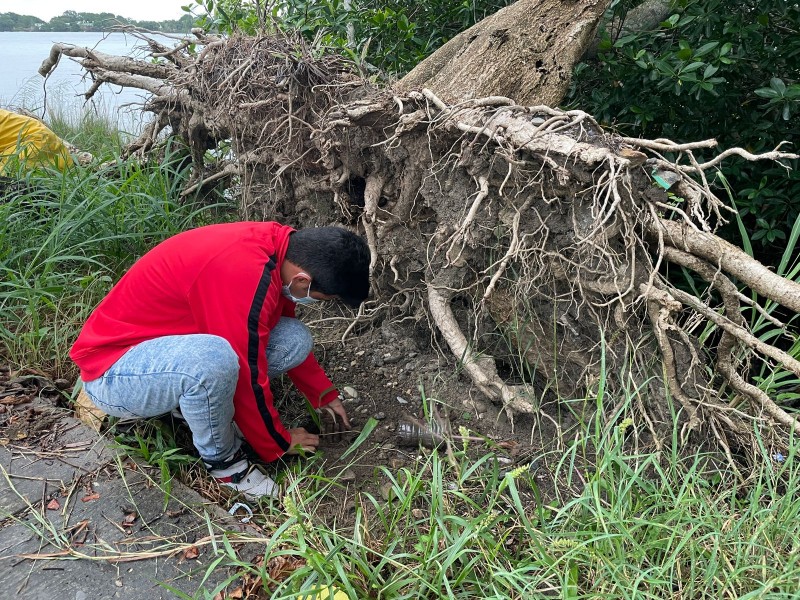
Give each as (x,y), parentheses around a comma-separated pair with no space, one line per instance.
(280,567)
(90,497)
(236,594)
(15,400)
(87,412)
(191,553)
(506,444)
(53,505)
(130,517)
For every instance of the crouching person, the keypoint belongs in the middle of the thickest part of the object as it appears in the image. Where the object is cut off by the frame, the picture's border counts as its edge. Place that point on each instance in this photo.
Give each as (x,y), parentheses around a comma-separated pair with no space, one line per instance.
(205,319)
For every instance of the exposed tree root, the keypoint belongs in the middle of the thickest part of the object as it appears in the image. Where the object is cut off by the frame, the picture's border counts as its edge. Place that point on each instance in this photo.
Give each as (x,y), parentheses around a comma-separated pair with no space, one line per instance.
(486,219)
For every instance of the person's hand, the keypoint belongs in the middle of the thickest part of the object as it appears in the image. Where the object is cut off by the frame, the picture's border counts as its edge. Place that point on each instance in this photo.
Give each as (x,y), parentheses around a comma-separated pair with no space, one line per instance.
(337,407)
(334,422)
(302,441)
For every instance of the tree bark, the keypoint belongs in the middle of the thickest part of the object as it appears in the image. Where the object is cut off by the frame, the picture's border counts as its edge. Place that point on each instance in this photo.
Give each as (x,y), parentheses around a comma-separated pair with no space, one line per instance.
(525,52)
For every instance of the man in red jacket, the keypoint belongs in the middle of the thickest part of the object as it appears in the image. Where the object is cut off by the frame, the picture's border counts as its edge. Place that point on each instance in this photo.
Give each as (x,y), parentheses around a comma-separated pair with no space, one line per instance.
(205,319)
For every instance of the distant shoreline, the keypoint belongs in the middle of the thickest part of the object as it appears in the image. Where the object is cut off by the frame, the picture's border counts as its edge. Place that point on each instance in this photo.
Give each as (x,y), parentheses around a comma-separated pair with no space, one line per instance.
(76,22)
(185,32)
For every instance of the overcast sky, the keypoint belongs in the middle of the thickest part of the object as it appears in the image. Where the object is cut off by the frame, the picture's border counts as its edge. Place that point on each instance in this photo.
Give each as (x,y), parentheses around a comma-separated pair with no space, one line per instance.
(140,10)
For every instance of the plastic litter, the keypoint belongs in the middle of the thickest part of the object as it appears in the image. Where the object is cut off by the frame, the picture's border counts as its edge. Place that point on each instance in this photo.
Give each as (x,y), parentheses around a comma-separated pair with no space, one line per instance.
(242,505)
(411,432)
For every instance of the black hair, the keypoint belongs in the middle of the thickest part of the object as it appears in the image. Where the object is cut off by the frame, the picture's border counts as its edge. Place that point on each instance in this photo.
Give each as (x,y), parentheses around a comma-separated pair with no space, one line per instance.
(336,259)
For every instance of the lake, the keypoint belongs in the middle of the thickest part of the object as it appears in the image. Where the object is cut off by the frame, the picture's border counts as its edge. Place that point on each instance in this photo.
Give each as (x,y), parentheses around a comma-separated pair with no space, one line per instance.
(21,84)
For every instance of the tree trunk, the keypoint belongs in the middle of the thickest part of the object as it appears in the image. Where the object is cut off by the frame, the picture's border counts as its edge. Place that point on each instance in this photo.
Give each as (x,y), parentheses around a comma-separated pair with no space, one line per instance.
(525,52)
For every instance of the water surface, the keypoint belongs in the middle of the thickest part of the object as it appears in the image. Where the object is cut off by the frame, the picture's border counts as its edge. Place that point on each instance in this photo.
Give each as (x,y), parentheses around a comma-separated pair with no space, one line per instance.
(21,84)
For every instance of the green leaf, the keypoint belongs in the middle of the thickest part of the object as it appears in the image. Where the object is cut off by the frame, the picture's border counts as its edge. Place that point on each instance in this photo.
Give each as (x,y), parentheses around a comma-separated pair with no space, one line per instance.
(787,111)
(706,48)
(710,70)
(369,427)
(693,67)
(624,40)
(671,22)
(766,93)
(777,84)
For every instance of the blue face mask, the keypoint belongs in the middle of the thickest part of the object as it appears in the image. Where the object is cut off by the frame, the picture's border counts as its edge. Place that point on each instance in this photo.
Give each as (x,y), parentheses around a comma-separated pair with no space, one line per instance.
(287,292)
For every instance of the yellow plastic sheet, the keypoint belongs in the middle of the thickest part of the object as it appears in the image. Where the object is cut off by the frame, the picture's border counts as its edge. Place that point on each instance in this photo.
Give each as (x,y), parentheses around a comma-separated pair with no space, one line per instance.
(31,141)
(325,594)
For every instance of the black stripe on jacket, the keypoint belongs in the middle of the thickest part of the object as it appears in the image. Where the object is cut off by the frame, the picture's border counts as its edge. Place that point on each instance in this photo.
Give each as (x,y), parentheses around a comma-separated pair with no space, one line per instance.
(253,352)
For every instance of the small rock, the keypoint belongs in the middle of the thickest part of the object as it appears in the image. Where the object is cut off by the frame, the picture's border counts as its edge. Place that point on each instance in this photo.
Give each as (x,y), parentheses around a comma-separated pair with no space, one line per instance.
(417,513)
(387,492)
(452,486)
(347,476)
(350,392)
(402,400)
(380,416)
(61,384)
(360,353)
(118,582)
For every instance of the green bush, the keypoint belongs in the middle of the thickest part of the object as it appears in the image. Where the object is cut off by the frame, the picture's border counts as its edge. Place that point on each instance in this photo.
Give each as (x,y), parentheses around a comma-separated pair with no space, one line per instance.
(724,69)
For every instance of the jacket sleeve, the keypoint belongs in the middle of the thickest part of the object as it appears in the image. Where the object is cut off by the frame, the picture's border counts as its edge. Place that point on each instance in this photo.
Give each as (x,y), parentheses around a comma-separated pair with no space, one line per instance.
(231,298)
(309,378)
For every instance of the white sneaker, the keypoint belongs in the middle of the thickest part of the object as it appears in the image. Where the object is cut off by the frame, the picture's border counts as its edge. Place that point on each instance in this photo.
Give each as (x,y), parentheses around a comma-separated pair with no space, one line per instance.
(237,473)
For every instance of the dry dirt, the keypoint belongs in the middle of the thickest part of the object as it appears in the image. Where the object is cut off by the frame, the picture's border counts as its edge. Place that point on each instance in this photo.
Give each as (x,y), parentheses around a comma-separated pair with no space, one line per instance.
(396,376)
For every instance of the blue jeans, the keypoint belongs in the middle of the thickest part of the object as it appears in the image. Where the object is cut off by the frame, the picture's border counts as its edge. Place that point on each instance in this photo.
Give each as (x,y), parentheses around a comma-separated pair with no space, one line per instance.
(196,373)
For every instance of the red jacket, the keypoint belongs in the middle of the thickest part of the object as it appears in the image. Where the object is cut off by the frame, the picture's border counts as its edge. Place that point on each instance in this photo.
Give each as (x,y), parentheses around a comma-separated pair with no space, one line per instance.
(222,280)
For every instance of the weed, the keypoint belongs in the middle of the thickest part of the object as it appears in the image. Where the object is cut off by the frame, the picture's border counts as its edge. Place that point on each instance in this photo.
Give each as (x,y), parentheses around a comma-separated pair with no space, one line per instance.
(65,238)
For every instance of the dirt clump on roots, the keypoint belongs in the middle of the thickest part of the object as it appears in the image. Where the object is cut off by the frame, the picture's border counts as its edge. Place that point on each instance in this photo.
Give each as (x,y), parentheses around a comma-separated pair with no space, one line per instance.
(521,247)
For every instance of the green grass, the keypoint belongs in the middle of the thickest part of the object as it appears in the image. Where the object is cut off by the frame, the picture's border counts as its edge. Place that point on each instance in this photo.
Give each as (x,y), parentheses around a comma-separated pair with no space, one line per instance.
(644,525)
(65,238)
(92,127)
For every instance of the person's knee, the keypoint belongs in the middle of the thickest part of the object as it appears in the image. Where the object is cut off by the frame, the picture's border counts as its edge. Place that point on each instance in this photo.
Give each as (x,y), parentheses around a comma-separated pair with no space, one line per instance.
(305,341)
(216,359)
(298,337)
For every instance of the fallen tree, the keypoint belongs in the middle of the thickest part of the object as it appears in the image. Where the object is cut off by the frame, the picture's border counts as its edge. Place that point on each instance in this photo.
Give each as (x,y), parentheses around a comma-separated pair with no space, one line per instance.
(488,221)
